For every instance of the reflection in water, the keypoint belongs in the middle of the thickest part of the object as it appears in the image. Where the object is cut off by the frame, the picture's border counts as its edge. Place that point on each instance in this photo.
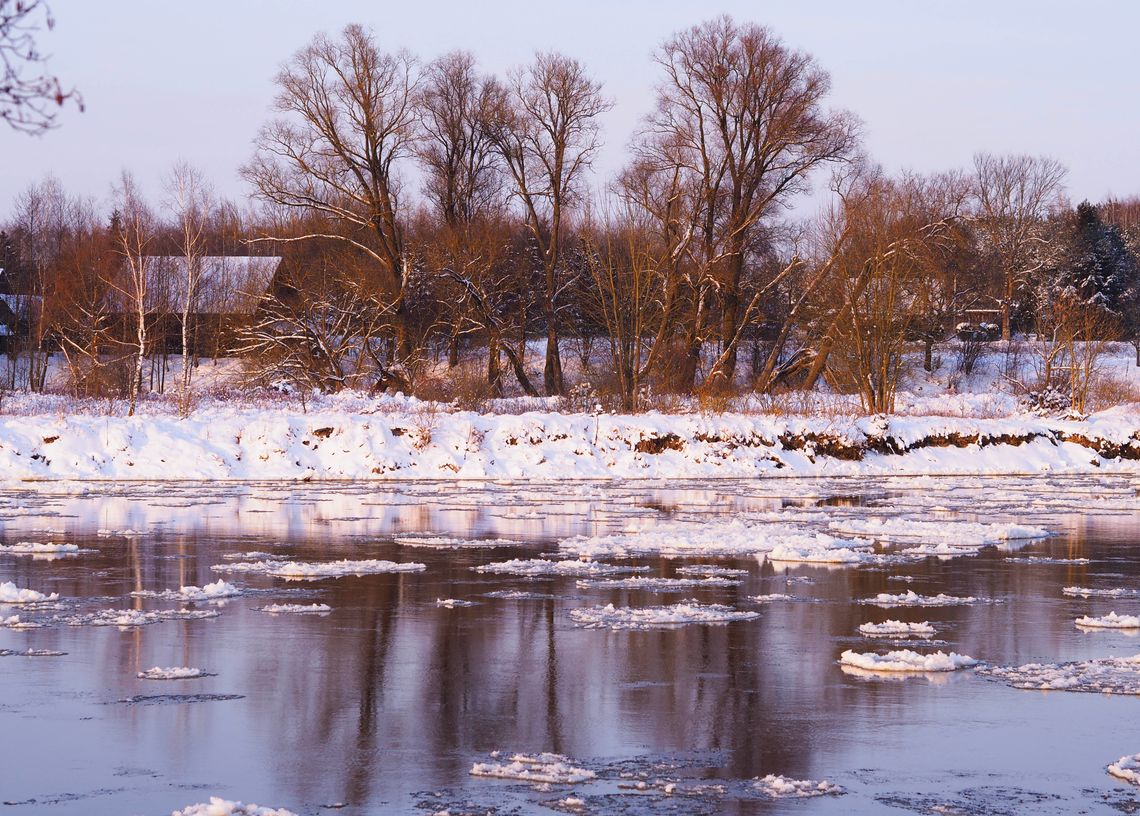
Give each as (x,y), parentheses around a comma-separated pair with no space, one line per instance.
(390,696)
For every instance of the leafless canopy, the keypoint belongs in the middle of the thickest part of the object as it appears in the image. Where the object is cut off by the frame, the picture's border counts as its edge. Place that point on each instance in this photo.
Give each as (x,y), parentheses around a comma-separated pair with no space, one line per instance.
(30,98)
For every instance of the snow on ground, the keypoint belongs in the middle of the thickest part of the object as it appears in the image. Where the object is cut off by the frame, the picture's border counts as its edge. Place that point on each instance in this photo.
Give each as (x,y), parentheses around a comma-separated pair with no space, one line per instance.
(648,584)
(905,660)
(1108,675)
(1087,592)
(534,567)
(210,592)
(134,617)
(651,617)
(911,598)
(301,570)
(12,594)
(295,609)
(550,769)
(783,787)
(1109,621)
(1126,768)
(172,673)
(225,807)
(898,629)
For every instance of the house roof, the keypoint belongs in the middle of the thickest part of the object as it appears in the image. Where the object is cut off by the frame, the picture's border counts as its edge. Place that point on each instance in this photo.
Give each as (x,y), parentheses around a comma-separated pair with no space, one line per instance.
(226,284)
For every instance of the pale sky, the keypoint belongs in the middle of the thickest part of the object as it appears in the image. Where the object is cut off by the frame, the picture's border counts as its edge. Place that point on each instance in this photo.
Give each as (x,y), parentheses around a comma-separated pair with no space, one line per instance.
(932,81)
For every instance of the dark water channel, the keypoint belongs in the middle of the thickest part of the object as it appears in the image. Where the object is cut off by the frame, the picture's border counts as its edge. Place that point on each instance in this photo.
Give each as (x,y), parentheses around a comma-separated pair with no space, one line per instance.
(384,704)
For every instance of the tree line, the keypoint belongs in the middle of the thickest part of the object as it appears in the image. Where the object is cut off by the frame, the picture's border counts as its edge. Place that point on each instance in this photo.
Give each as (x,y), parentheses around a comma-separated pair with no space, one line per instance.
(431,211)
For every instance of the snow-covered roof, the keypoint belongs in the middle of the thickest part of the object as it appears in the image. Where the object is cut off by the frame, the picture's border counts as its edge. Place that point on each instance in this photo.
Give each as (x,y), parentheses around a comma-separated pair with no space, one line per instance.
(226,284)
(21,305)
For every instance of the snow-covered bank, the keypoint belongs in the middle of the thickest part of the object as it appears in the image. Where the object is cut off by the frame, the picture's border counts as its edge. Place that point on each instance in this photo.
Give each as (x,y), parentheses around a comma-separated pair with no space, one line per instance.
(404,439)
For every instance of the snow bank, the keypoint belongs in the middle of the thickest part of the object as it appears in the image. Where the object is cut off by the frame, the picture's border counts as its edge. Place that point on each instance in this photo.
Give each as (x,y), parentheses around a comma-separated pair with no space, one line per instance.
(1110,675)
(172,673)
(1109,621)
(905,660)
(1086,592)
(224,807)
(899,629)
(12,594)
(533,567)
(651,617)
(399,438)
(783,787)
(911,598)
(300,570)
(550,769)
(1126,768)
(210,592)
(295,609)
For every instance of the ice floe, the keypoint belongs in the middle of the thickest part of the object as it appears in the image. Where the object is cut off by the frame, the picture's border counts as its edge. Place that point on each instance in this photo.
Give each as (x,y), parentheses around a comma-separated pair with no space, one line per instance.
(15,622)
(1126,768)
(711,571)
(31,653)
(12,594)
(1044,559)
(783,787)
(209,592)
(960,534)
(172,673)
(791,553)
(452,603)
(295,609)
(446,543)
(225,807)
(905,660)
(532,567)
(651,617)
(518,595)
(1109,621)
(550,769)
(1108,675)
(898,629)
(911,598)
(651,584)
(302,570)
(773,596)
(40,548)
(134,617)
(1088,592)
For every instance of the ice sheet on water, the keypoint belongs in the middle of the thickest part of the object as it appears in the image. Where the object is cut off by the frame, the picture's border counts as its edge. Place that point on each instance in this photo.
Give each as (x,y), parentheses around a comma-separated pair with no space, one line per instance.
(532,567)
(172,673)
(651,584)
(225,807)
(295,609)
(12,594)
(652,617)
(897,629)
(550,769)
(783,787)
(906,660)
(192,594)
(1109,621)
(1126,768)
(911,598)
(1089,592)
(134,617)
(1108,675)
(301,570)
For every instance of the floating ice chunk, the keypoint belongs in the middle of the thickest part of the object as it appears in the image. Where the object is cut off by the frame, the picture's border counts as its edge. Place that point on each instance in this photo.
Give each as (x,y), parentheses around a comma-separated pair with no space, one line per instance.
(962,534)
(31,653)
(940,550)
(446,543)
(1086,592)
(38,548)
(172,673)
(540,566)
(135,617)
(650,617)
(1109,675)
(106,532)
(14,622)
(905,660)
(783,787)
(1109,621)
(774,596)
(911,598)
(894,628)
(650,584)
(818,555)
(210,592)
(254,555)
(551,769)
(224,807)
(711,571)
(12,594)
(296,609)
(315,570)
(452,603)
(519,595)
(1043,559)
(1126,768)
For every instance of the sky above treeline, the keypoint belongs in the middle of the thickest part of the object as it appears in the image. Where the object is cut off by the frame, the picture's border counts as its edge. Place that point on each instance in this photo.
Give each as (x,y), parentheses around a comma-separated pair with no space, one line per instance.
(932,82)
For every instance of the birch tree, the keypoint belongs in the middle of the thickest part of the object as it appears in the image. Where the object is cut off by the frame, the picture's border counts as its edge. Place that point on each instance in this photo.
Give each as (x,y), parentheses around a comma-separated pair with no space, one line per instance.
(133,230)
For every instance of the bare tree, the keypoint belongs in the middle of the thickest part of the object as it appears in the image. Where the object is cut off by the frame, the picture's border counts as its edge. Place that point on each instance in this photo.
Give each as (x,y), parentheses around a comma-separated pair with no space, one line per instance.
(133,230)
(348,121)
(30,97)
(544,125)
(1014,196)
